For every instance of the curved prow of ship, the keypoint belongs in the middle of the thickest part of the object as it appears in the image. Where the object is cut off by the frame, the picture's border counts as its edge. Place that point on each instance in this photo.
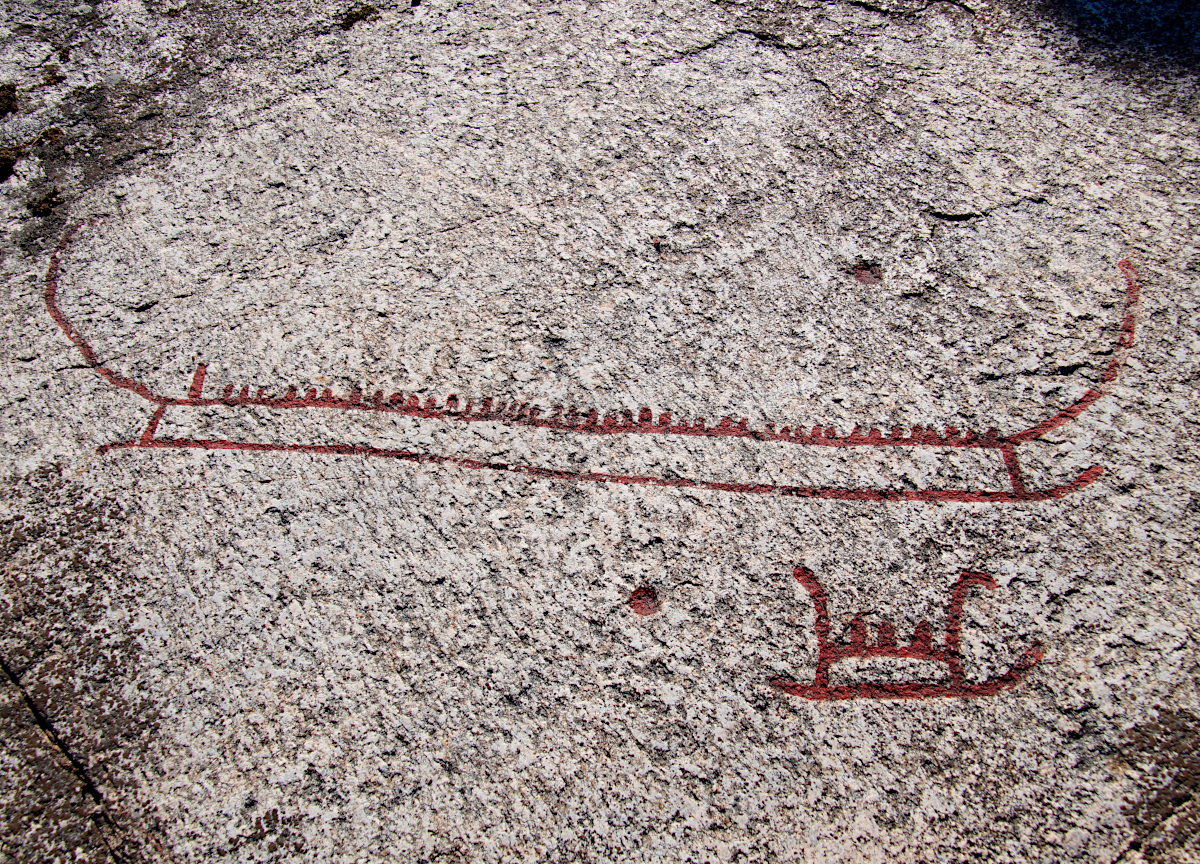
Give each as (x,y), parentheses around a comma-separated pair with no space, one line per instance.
(921,647)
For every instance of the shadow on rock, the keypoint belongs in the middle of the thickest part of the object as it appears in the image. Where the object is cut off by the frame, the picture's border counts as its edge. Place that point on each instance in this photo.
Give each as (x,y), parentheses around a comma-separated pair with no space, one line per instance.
(1166,31)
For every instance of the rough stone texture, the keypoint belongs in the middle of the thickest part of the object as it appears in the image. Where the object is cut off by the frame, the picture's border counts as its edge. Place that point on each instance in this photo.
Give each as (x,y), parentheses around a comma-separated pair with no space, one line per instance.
(815,214)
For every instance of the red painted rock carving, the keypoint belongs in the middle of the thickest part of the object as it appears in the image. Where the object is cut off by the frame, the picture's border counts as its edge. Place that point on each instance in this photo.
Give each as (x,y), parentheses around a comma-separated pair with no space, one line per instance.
(868,274)
(921,647)
(590,422)
(644,600)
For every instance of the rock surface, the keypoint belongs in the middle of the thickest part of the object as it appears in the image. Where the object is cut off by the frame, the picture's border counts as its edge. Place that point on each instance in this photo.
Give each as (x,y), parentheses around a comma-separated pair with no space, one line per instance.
(860,295)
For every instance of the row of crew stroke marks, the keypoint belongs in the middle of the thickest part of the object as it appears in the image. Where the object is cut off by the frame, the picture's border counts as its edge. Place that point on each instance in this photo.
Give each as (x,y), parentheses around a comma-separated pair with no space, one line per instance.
(590,422)
(921,647)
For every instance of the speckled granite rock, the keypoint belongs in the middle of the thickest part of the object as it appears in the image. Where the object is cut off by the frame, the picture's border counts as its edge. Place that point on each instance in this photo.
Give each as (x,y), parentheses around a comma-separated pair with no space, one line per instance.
(364,581)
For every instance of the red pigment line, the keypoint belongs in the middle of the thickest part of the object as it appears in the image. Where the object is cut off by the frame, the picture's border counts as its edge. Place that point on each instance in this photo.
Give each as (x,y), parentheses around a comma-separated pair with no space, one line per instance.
(1085,479)
(958,598)
(197,388)
(1133,297)
(825,492)
(590,422)
(820,601)
(152,427)
(64,323)
(1013,466)
(1133,303)
(919,648)
(953,690)
(1062,417)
